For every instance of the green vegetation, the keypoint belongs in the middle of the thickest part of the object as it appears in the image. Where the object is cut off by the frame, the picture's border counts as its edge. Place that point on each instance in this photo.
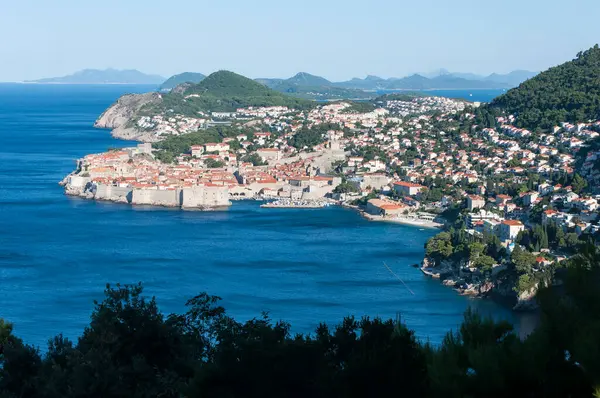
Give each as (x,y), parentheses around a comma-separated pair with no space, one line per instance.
(222,91)
(550,236)
(213,164)
(174,145)
(568,92)
(346,187)
(306,137)
(254,159)
(478,258)
(363,201)
(131,349)
(369,153)
(311,136)
(360,107)
(439,247)
(227,91)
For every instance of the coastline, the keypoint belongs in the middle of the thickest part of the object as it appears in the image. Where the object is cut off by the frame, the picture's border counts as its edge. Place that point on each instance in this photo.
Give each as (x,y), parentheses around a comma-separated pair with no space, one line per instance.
(415,222)
(84,84)
(140,197)
(465,283)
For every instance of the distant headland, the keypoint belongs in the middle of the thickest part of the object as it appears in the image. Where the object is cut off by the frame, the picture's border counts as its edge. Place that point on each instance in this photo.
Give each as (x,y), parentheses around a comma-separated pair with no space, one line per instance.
(106,76)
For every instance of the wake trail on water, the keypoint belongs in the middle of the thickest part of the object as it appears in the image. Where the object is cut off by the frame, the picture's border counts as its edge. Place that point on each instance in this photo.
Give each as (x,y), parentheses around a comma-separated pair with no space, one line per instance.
(400,279)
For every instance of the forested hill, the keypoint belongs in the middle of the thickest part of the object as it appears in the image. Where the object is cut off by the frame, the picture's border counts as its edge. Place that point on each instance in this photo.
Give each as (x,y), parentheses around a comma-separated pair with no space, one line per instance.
(227,91)
(568,92)
(222,91)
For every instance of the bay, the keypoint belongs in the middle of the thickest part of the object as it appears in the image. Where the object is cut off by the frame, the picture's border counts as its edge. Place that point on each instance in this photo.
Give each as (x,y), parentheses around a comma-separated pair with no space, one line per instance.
(473,95)
(302,266)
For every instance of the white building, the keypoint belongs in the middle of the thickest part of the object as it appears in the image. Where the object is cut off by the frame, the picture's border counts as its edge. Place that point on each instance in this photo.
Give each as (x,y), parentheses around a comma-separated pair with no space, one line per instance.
(509,229)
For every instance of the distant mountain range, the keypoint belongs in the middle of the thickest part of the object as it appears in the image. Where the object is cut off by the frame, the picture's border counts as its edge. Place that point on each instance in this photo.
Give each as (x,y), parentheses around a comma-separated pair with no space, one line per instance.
(310,86)
(305,84)
(225,91)
(185,77)
(106,76)
(511,79)
(440,80)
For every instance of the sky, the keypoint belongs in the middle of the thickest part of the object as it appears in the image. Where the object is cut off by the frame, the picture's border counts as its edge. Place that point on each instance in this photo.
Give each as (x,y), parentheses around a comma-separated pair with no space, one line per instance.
(266,38)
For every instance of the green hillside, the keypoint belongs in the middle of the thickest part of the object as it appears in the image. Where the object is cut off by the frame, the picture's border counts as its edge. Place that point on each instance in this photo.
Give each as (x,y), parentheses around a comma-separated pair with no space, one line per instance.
(306,79)
(305,85)
(186,77)
(222,91)
(568,92)
(226,91)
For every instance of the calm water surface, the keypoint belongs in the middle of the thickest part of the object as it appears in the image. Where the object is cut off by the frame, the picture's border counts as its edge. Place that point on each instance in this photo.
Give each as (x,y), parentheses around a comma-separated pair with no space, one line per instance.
(478,95)
(304,266)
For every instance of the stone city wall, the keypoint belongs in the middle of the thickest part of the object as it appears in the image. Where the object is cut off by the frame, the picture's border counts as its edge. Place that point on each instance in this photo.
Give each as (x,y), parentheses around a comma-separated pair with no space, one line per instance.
(154,197)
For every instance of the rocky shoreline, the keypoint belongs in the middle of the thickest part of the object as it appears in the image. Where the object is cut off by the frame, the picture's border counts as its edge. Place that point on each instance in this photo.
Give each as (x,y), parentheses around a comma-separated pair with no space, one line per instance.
(469,282)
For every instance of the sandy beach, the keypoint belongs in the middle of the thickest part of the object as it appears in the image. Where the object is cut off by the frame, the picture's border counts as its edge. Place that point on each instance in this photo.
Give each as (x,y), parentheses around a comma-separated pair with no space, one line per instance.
(415,222)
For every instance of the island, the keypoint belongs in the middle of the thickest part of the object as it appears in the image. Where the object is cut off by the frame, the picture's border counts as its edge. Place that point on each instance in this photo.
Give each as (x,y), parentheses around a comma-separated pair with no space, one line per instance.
(106,76)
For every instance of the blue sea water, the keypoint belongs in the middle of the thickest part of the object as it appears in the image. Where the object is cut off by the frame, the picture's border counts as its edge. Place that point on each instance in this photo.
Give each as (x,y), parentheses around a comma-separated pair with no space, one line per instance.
(303,266)
(483,95)
(477,95)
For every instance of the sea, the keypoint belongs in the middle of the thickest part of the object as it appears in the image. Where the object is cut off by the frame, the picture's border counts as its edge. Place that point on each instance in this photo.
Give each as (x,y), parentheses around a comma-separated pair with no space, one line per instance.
(473,95)
(303,266)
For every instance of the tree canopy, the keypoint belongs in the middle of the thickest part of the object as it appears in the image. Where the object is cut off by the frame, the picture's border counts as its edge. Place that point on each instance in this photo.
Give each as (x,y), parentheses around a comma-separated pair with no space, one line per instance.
(569,92)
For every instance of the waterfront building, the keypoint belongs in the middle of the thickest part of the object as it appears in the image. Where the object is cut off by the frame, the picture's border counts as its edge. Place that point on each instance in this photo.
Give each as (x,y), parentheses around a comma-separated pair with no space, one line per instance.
(404,188)
(509,229)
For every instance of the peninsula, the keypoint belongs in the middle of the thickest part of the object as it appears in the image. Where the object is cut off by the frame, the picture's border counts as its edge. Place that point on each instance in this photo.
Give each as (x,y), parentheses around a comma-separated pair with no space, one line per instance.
(515,182)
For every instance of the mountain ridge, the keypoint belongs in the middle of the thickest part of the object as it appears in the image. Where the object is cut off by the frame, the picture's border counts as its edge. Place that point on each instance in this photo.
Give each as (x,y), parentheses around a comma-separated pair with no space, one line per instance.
(103,76)
(226,91)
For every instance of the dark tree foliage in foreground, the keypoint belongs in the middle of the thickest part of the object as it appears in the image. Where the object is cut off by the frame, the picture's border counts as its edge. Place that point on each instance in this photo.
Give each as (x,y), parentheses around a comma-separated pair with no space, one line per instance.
(130,349)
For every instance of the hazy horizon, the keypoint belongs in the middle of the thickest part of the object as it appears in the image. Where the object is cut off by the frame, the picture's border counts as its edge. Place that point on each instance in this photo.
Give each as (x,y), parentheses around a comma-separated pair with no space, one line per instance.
(256,77)
(267,39)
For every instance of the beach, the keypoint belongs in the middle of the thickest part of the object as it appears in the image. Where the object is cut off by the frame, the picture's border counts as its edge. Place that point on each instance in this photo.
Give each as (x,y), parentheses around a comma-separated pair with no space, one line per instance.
(416,222)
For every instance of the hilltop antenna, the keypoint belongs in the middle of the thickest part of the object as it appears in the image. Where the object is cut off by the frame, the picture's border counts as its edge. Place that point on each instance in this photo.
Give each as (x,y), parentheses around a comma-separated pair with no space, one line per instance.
(397,277)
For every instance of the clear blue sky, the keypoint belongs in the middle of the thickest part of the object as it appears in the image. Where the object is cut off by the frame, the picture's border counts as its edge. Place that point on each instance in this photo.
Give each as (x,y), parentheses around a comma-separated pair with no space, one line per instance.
(337,39)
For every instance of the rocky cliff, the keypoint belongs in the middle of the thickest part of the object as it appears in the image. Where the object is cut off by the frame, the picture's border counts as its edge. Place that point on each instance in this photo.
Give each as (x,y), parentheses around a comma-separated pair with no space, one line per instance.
(469,281)
(118,115)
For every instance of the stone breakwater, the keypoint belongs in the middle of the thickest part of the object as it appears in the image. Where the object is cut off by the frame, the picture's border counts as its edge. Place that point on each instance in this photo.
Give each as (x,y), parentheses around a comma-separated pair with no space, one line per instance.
(197,197)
